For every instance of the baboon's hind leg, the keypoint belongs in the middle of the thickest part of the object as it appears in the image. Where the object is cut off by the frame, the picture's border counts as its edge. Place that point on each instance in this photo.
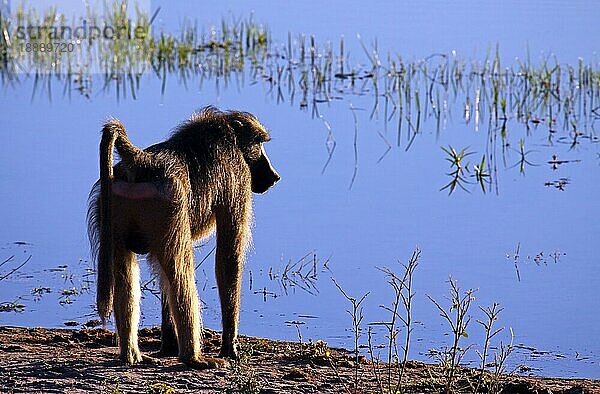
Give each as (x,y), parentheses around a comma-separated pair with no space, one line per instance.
(127,304)
(176,260)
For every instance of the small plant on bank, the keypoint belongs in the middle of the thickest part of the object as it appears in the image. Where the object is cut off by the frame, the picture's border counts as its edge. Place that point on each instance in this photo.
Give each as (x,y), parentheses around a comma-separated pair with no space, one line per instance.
(390,375)
(491,314)
(160,388)
(490,376)
(499,372)
(110,389)
(243,379)
(318,350)
(357,317)
(458,318)
(400,314)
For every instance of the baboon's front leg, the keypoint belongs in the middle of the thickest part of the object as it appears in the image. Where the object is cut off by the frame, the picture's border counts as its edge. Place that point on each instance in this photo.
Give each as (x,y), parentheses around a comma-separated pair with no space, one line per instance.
(231,242)
(127,304)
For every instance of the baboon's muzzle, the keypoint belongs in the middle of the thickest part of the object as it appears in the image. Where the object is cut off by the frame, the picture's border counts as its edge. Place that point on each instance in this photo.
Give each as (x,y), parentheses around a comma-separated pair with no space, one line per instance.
(263,175)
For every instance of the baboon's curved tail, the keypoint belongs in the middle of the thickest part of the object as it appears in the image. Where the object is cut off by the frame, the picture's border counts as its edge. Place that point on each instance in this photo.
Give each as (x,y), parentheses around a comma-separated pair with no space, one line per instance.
(105,290)
(100,215)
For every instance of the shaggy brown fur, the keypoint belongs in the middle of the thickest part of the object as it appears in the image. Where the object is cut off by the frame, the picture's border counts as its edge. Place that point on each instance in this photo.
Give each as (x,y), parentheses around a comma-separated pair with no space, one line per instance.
(158,201)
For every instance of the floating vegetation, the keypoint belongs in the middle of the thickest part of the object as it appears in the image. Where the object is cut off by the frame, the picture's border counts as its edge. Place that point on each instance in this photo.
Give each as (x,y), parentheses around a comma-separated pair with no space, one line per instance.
(300,274)
(459,169)
(562,99)
(539,258)
(559,184)
(67,295)
(556,162)
(14,306)
(38,292)
(482,176)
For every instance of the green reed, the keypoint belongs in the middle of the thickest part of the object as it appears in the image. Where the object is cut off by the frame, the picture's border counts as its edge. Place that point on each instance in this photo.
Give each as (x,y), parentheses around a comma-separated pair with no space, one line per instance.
(551,93)
(561,99)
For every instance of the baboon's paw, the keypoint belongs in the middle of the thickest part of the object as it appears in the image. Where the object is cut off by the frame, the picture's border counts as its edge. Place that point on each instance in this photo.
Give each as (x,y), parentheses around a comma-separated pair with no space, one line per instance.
(147,360)
(131,357)
(229,352)
(206,363)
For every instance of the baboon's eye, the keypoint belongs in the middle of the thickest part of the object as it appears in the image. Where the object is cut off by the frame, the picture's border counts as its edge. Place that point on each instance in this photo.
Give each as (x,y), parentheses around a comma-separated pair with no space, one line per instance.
(255,151)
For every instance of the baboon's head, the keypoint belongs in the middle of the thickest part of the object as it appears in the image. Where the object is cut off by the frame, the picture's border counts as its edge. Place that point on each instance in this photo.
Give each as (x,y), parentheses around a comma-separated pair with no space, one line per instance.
(250,138)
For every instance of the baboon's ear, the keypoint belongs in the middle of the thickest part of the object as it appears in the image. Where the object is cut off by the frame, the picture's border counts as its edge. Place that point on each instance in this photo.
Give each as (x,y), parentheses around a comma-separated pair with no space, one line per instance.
(247,129)
(242,130)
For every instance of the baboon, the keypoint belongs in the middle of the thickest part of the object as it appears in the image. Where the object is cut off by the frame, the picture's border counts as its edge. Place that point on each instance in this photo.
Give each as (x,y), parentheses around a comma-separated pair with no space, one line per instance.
(158,201)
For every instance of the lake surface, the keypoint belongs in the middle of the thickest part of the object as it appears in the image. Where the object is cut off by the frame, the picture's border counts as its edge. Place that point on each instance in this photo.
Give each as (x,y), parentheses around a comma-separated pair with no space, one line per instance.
(344,208)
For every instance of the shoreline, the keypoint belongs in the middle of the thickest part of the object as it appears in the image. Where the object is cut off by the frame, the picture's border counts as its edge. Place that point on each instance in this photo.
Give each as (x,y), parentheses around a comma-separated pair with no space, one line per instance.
(41,360)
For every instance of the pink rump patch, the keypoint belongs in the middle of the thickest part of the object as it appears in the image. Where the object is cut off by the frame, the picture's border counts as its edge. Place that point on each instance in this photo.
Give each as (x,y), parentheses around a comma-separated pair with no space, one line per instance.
(134,190)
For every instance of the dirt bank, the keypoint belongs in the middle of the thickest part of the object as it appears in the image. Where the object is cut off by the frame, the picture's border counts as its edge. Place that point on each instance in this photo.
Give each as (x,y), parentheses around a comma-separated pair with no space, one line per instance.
(39,360)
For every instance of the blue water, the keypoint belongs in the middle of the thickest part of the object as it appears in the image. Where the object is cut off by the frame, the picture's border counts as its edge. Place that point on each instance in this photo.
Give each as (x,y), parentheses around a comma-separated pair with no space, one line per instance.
(48,157)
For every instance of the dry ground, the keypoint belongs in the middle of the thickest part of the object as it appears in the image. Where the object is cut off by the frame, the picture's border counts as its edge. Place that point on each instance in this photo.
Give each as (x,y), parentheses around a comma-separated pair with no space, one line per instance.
(39,360)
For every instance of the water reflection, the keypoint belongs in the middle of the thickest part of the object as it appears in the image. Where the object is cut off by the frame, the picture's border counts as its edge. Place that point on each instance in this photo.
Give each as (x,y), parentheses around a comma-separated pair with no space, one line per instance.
(510,101)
